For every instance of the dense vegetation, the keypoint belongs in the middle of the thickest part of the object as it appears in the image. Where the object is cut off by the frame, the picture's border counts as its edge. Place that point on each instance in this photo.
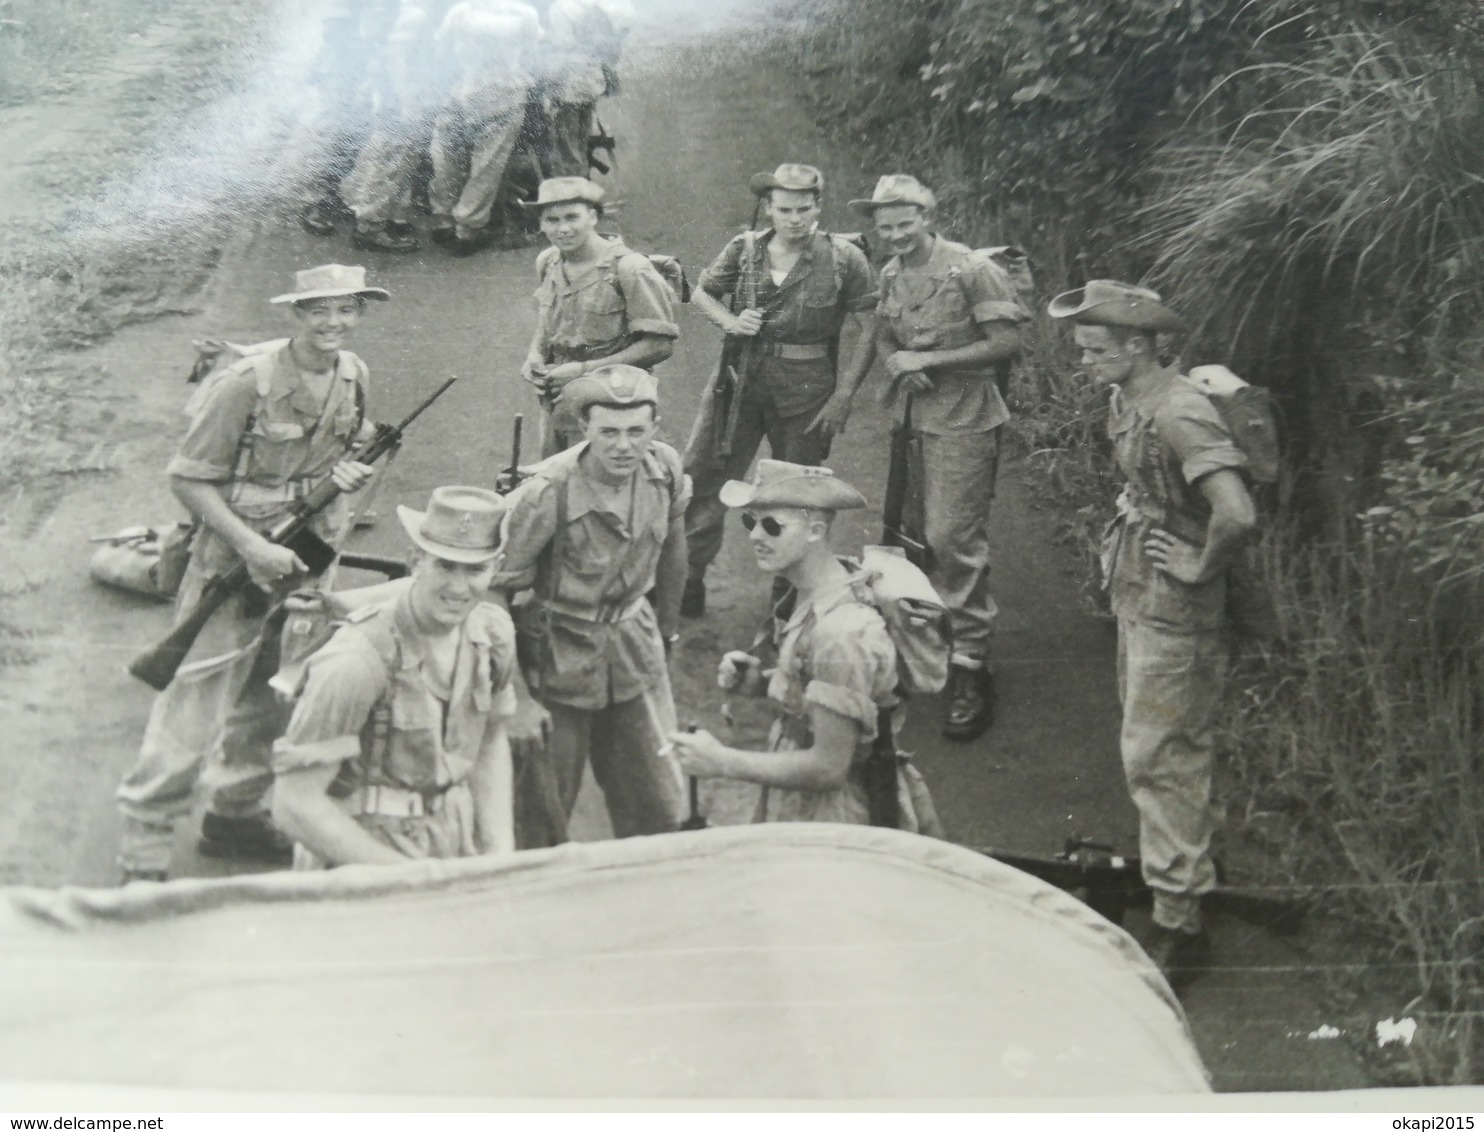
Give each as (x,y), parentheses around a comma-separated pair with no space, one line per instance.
(1306,182)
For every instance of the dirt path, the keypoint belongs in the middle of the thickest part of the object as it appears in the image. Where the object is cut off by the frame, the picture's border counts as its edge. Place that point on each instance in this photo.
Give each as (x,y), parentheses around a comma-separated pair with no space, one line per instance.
(701,111)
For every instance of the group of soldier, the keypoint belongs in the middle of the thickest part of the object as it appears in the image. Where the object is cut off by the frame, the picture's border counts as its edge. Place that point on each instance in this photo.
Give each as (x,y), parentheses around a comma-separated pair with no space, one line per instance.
(456,710)
(453,107)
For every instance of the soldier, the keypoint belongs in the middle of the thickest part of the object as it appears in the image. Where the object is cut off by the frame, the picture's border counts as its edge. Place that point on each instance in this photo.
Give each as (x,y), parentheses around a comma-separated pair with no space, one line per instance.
(1184,515)
(835,675)
(474,131)
(599,304)
(270,428)
(793,286)
(585,39)
(594,530)
(948,326)
(397,744)
(408,88)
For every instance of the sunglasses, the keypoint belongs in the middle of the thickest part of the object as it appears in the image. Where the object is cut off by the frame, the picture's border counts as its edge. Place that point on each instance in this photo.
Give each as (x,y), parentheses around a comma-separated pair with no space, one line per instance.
(771,526)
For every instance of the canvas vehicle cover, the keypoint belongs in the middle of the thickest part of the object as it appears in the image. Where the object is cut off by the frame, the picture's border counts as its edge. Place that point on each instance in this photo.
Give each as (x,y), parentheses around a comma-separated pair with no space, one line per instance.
(770,961)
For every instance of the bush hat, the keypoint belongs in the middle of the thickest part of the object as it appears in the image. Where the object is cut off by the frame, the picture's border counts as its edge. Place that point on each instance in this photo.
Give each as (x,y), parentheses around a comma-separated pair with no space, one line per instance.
(898,188)
(619,386)
(789,177)
(777,483)
(567,190)
(1107,302)
(461,524)
(330,281)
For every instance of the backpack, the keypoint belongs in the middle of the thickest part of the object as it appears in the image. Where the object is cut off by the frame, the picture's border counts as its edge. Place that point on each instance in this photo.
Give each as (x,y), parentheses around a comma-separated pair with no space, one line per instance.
(1247,412)
(1013,260)
(915,616)
(310,619)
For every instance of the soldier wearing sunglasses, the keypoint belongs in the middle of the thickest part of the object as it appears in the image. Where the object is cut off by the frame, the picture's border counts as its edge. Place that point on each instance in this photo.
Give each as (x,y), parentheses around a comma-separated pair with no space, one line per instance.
(836,665)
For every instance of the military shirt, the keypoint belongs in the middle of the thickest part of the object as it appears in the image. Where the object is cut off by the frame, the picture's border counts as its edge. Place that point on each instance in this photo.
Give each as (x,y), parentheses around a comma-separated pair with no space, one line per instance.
(605,645)
(835,653)
(598,308)
(809,307)
(1164,445)
(426,737)
(293,443)
(941,307)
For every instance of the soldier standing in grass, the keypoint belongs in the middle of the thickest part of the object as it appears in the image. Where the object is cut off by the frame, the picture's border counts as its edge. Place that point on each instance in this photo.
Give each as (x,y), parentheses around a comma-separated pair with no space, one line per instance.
(792,286)
(268,430)
(1183,517)
(948,327)
(598,304)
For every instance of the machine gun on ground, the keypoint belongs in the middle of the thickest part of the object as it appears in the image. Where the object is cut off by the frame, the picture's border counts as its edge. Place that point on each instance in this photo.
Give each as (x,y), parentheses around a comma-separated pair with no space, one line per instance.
(157,666)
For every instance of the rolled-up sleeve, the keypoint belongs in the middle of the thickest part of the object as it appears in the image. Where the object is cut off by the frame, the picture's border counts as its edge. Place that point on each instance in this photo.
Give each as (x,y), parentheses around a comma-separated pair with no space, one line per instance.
(1200,439)
(209,450)
(720,279)
(857,287)
(647,298)
(529,524)
(990,294)
(853,666)
(342,683)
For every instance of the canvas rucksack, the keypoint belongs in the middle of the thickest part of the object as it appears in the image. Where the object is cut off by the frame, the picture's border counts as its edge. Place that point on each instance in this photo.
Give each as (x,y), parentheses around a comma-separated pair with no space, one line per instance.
(1247,411)
(916,618)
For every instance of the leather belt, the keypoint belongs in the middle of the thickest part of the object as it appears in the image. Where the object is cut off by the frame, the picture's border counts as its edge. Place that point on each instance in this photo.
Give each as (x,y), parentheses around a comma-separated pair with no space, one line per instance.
(256,494)
(793,352)
(397,802)
(561,354)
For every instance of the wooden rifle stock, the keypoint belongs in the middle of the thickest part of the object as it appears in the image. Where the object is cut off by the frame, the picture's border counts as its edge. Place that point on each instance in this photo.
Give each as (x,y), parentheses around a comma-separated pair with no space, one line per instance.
(158,666)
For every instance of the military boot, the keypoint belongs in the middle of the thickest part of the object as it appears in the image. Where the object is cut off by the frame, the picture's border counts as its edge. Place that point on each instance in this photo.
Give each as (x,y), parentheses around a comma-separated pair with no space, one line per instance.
(1181,956)
(971,703)
(693,598)
(373,237)
(244,839)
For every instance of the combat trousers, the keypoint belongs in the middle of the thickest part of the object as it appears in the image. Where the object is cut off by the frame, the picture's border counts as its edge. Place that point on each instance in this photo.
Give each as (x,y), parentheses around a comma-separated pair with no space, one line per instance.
(324,145)
(568,126)
(788,439)
(219,704)
(1170,685)
(958,485)
(641,787)
(473,138)
(378,188)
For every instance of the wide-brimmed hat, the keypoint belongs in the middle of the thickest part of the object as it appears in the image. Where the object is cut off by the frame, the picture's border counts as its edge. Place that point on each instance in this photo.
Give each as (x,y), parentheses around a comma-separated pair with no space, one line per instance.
(330,281)
(1107,302)
(461,524)
(777,483)
(567,190)
(620,386)
(898,188)
(791,178)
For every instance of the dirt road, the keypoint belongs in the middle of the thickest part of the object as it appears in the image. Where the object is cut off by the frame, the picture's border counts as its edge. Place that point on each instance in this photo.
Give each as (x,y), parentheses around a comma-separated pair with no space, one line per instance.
(701,111)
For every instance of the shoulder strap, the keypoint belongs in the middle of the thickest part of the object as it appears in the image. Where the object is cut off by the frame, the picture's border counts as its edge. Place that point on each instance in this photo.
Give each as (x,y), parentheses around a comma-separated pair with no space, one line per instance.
(263,382)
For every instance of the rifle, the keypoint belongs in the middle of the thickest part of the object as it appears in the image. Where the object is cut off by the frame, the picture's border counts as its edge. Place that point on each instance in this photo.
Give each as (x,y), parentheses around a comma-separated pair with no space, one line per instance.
(1110,885)
(157,666)
(900,525)
(510,479)
(736,351)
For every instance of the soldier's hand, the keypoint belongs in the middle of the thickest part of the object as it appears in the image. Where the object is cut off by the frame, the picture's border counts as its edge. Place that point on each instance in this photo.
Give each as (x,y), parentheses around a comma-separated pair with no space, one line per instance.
(746,324)
(351,475)
(830,420)
(699,753)
(738,671)
(559,376)
(268,563)
(1175,557)
(534,372)
(529,729)
(900,363)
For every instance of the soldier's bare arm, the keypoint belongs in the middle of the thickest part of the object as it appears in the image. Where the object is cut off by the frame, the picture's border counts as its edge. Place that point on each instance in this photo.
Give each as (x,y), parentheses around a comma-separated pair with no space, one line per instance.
(669,578)
(267,562)
(303,809)
(822,766)
(1233,520)
(492,784)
